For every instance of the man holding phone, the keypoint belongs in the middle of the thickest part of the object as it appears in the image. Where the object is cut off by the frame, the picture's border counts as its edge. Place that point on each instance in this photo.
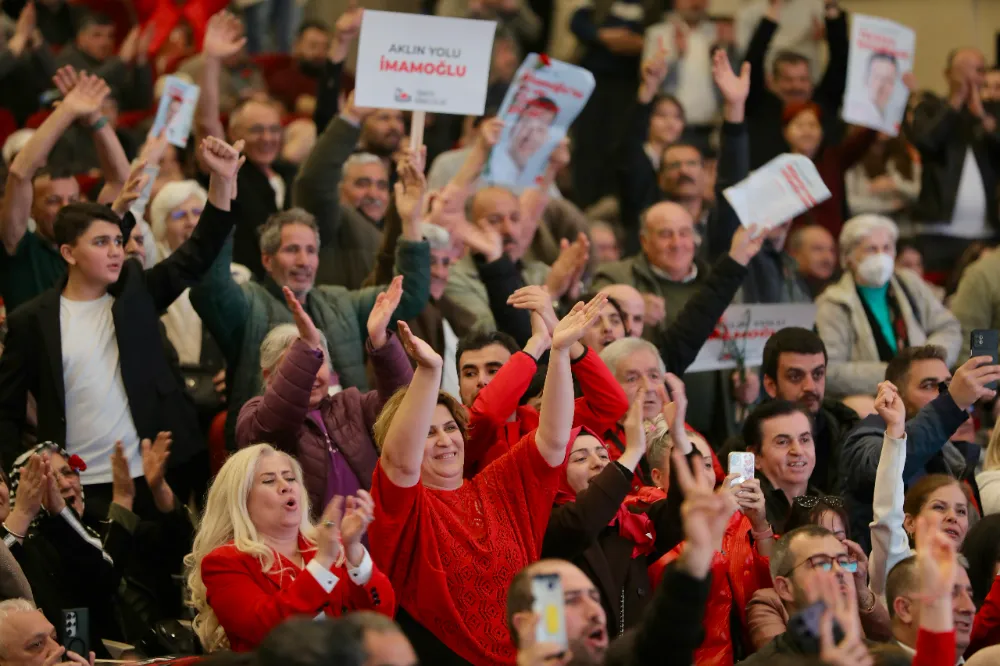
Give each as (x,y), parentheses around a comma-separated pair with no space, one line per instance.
(27,638)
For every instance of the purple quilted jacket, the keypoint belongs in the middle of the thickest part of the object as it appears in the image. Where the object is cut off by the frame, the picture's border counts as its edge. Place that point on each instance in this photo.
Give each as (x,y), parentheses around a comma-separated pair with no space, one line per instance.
(279,417)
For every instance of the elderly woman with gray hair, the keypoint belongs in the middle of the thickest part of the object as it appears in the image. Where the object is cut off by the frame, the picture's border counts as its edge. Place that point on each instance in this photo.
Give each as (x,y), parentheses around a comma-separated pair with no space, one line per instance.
(330,435)
(876,309)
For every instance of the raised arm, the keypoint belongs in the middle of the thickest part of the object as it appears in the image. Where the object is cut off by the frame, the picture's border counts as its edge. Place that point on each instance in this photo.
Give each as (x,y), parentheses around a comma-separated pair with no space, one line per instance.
(556,414)
(830,90)
(487,137)
(285,403)
(734,154)
(757,52)
(403,447)
(890,544)
(84,100)
(223,38)
(345,31)
(189,263)
(110,154)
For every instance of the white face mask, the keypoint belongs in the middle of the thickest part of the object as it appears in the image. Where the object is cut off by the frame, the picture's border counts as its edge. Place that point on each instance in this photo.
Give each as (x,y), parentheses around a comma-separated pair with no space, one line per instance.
(875,270)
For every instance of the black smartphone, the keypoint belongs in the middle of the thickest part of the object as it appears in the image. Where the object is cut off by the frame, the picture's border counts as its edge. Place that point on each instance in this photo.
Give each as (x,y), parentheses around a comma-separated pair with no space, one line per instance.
(985,342)
(805,624)
(74,634)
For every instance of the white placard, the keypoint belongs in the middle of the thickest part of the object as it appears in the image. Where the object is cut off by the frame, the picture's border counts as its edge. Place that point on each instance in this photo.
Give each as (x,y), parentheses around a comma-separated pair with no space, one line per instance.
(423,63)
(544,99)
(176,111)
(881,52)
(775,193)
(743,331)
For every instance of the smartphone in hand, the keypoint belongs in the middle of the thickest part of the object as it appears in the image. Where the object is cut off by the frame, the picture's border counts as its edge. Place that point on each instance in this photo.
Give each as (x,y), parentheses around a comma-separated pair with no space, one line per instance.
(742,463)
(549,605)
(985,342)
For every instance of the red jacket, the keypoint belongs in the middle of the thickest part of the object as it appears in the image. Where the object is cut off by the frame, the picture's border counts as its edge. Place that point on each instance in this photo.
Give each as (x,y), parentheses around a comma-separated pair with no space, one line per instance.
(491,435)
(737,572)
(249,602)
(986,626)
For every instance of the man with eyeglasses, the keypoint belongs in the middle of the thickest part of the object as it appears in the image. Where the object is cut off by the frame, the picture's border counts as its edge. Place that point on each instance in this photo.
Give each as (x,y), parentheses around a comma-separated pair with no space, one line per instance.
(798,558)
(940,432)
(905,606)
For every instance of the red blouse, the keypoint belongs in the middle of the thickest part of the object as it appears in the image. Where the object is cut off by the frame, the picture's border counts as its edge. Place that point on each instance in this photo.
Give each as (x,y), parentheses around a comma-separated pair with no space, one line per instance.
(451,555)
(249,602)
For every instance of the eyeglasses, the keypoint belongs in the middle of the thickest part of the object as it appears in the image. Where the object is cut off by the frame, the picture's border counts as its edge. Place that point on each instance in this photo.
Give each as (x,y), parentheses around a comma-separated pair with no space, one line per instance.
(812,501)
(826,562)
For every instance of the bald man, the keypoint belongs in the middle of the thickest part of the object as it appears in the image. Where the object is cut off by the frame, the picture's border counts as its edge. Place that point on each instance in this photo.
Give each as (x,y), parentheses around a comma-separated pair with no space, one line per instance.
(666,271)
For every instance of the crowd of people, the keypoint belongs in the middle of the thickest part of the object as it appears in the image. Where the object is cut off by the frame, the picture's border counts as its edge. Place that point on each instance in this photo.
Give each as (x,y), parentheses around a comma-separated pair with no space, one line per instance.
(308,392)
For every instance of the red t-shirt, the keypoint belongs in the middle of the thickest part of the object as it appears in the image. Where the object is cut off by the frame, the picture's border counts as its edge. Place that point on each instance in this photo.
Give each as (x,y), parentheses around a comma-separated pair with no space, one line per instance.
(451,555)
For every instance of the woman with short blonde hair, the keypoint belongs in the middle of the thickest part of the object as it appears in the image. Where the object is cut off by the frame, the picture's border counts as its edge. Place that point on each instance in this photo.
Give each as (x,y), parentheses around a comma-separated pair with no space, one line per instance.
(258,559)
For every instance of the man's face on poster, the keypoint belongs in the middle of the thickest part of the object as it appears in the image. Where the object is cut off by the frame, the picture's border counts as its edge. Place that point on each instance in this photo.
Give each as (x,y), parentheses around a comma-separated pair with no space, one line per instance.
(530,133)
(882,75)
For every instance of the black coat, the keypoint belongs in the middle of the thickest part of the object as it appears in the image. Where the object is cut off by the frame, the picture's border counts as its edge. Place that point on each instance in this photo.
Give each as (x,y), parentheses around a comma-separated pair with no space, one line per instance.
(32,358)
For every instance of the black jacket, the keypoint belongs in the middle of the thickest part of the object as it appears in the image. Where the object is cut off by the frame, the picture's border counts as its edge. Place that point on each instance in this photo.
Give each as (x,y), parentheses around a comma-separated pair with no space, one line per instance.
(579,531)
(32,359)
(943,136)
(764,108)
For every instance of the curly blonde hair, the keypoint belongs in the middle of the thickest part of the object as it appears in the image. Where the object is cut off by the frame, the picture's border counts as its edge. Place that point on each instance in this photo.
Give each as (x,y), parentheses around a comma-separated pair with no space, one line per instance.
(226,519)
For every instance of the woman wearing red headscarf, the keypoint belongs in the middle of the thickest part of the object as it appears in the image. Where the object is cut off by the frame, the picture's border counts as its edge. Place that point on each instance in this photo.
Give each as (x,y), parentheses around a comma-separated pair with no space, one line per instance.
(592,526)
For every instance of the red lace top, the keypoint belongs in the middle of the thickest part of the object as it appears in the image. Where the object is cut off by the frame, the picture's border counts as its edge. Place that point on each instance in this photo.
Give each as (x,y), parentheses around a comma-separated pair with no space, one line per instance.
(451,555)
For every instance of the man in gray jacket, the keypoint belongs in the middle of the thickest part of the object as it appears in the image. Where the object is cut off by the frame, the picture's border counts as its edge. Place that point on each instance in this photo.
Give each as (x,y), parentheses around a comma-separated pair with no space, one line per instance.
(938,428)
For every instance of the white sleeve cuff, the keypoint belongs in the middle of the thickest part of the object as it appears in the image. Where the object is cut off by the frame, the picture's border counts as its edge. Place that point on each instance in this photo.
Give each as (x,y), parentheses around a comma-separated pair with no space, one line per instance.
(898,442)
(326,579)
(361,574)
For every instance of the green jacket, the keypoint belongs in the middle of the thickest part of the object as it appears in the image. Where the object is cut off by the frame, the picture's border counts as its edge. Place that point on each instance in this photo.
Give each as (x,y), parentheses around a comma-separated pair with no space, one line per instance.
(240,316)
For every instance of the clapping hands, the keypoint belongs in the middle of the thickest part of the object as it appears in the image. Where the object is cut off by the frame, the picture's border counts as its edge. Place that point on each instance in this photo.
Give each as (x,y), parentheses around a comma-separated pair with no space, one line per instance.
(385,304)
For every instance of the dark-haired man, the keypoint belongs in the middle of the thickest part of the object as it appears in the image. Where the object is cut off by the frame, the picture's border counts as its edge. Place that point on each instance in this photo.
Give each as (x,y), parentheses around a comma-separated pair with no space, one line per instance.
(794,368)
(791,81)
(780,435)
(93,50)
(30,262)
(531,131)
(295,85)
(939,430)
(83,349)
(883,72)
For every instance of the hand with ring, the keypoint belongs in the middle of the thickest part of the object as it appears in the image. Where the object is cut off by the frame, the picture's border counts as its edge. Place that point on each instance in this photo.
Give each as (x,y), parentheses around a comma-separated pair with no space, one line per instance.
(328,548)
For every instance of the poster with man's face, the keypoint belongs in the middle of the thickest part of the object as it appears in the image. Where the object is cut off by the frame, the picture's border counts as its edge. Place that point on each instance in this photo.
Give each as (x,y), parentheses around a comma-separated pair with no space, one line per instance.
(176,111)
(542,102)
(881,53)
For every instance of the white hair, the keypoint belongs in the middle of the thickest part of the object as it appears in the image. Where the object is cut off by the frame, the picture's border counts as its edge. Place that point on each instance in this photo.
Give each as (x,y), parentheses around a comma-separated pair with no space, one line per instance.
(10,607)
(276,343)
(437,237)
(362,159)
(227,519)
(858,228)
(618,350)
(169,197)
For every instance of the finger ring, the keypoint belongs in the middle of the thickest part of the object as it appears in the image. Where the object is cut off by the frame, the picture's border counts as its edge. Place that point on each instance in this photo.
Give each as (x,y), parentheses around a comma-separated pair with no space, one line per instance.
(329,523)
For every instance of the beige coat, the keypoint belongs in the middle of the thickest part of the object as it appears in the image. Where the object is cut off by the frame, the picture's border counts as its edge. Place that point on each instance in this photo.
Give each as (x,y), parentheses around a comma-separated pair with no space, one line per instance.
(854,364)
(977,301)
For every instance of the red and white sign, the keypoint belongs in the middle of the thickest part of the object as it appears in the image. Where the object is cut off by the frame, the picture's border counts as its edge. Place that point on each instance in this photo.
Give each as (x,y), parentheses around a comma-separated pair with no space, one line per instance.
(423,63)
(780,190)
(739,338)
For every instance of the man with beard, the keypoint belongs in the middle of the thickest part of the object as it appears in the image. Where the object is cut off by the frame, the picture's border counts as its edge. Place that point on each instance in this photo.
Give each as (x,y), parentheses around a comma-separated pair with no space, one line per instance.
(794,369)
(814,250)
(940,433)
(671,627)
(295,85)
(348,193)
(264,185)
(381,133)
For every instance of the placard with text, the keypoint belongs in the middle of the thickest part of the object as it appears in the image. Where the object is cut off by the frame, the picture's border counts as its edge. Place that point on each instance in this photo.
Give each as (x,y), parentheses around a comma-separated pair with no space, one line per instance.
(423,63)
(782,189)
(881,52)
(739,337)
